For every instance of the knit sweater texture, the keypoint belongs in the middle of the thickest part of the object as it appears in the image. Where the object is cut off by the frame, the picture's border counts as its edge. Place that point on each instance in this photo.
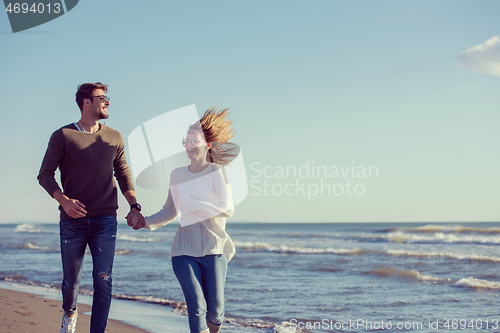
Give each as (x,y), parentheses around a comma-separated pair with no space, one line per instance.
(87,163)
(204,201)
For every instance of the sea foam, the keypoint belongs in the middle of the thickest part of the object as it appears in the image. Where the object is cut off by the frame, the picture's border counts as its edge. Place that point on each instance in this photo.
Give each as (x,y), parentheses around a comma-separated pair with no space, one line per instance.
(477,283)
(472,257)
(454,229)
(27,228)
(181,308)
(265,247)
(136,239)
(440,237)
(34,247)
(410,274)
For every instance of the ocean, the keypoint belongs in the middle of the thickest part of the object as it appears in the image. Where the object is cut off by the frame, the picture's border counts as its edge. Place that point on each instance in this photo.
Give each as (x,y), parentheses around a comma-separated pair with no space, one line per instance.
(307,277)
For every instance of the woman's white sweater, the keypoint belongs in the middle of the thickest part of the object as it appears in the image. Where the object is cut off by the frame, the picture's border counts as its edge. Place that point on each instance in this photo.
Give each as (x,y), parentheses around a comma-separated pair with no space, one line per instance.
(204,200)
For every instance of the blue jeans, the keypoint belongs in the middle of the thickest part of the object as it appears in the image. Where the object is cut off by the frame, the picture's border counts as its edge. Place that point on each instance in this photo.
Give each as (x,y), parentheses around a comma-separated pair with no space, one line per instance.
(99,232)
(202,281)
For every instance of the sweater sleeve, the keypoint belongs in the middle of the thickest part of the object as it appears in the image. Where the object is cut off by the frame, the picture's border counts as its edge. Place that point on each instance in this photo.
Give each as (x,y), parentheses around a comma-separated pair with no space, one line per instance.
(50,163)
(122,171)
(166,215)
(206,210)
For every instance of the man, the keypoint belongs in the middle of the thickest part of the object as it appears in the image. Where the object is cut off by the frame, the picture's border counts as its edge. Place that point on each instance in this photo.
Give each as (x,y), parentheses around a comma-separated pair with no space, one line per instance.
(87,154)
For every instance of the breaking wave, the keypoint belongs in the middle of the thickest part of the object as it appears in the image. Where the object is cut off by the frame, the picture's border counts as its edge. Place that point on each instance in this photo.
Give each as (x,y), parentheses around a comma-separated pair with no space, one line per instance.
(34,247)
(265,247)
(472,257)
(27,228)
(409,274)
(136,239)
(122,252)
(440,237)
(455,229)
(477,283)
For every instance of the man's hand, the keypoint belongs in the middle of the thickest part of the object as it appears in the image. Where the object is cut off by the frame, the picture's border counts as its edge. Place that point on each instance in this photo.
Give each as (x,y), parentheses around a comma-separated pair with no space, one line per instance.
(72,207)
(135,219)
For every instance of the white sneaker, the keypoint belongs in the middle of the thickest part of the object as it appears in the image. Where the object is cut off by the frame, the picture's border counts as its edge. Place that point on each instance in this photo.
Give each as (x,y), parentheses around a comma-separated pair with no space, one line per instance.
(68,325)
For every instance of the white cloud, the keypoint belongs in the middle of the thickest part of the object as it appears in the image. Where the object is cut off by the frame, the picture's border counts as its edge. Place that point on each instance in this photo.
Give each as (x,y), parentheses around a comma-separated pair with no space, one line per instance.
(482,58)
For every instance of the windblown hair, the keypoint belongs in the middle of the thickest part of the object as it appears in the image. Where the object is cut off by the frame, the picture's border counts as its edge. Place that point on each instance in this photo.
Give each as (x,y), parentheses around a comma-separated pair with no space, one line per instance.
(85,91)
(217,130)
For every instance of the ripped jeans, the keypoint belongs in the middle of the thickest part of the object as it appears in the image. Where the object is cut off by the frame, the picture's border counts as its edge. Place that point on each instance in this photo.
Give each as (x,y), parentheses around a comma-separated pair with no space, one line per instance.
(99,232)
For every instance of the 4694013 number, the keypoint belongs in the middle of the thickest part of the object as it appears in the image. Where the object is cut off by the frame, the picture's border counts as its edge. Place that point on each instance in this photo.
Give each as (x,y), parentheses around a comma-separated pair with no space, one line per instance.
(39,8)
(461,324)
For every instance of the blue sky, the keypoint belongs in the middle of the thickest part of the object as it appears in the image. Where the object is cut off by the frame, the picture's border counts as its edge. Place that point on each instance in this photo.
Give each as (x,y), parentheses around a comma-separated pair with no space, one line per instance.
(409,87)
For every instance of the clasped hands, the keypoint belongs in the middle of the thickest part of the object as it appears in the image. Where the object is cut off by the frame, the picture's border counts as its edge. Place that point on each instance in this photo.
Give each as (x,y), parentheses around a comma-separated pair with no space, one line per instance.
(135,219)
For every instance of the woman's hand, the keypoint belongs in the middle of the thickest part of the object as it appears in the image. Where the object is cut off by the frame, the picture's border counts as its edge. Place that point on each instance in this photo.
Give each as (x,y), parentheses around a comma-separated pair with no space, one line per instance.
(136,220)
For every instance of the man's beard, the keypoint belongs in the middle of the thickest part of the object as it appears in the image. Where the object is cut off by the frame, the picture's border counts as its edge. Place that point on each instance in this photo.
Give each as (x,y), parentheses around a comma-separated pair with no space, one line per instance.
(102,115)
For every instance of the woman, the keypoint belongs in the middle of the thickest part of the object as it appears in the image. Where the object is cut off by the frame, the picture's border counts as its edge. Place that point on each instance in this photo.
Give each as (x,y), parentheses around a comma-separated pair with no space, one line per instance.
(201,247)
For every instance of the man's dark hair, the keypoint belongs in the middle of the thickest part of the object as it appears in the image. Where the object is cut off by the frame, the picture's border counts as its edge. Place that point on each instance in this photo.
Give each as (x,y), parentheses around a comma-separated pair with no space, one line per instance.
(85,91)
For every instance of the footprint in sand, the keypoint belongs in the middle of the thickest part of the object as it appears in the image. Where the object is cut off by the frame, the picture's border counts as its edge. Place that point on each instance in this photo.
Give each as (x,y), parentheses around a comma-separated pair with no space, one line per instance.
(24,313)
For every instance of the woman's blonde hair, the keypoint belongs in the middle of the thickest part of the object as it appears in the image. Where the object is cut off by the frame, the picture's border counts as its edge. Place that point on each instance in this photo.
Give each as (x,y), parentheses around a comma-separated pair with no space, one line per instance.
(217,130)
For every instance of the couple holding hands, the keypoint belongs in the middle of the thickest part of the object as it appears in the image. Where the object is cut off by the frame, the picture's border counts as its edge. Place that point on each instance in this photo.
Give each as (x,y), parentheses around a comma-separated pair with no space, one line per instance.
(87,154)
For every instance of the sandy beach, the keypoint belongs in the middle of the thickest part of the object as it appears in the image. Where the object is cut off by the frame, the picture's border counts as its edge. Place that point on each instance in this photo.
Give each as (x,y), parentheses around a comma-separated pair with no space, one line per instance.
(28,313)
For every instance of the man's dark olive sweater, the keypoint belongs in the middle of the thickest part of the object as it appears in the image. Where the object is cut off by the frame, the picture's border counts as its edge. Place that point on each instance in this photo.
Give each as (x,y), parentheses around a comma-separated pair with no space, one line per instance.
(87,162)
